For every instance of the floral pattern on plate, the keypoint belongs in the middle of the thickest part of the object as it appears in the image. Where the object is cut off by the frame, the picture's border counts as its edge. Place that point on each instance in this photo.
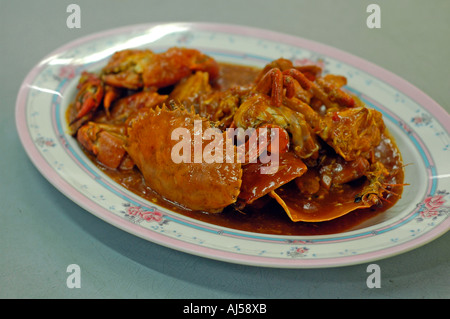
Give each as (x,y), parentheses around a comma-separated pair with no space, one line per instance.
(419,125)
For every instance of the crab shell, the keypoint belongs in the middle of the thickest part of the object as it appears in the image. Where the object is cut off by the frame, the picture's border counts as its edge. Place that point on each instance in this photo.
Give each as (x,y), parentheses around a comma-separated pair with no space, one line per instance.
(207,187)
(302,209)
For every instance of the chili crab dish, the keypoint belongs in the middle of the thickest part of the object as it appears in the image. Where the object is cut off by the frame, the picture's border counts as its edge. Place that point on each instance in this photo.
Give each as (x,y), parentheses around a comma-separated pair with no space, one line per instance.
(282,149)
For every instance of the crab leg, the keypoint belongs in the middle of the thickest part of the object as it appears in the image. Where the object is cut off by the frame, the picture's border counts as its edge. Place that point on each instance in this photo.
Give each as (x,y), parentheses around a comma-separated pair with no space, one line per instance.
(272,82)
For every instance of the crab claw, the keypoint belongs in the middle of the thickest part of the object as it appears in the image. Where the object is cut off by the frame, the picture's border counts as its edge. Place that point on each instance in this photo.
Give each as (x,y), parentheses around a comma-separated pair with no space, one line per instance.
(90,94)
(111,94)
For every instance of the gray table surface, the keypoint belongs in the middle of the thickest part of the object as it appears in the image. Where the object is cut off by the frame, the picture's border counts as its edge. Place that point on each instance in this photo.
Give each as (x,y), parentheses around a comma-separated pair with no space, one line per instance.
(42,232)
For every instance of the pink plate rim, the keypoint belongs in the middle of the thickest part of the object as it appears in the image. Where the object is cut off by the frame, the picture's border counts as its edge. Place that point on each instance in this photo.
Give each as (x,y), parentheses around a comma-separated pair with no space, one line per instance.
(388,77)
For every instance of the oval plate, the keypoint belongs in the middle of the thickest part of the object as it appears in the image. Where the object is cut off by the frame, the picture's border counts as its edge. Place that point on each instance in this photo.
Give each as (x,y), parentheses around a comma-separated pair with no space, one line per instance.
(420,126)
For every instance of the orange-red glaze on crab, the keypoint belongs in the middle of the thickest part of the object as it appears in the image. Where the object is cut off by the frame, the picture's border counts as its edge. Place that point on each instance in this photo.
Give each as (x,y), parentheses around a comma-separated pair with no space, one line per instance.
(190,184)
(269,203)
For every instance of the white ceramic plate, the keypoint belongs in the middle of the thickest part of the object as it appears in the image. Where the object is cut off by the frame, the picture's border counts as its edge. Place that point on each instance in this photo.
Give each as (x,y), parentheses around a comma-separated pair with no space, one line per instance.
(420,126)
